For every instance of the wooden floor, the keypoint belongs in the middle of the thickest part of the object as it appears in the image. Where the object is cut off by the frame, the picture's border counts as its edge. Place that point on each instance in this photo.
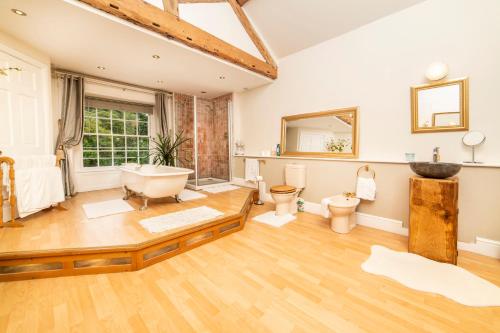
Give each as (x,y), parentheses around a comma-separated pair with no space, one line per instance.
(298,278)
(54,229)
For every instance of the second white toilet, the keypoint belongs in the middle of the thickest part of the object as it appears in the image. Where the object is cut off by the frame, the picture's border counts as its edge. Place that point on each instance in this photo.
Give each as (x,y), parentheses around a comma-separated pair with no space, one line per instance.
(285,196)
(342,209)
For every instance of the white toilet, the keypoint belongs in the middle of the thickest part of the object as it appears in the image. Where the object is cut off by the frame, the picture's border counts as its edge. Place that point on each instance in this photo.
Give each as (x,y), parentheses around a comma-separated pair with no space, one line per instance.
(342,210)
(285,196)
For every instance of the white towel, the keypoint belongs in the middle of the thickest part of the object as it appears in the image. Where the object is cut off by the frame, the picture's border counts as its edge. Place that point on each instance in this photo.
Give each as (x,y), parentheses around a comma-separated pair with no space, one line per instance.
(37,189)
(366,188)
(251,169)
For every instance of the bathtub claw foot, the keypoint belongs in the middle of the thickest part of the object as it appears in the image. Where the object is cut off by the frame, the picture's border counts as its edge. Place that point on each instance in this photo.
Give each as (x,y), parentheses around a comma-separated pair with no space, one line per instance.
(144,204)
(177,198)
(127,193)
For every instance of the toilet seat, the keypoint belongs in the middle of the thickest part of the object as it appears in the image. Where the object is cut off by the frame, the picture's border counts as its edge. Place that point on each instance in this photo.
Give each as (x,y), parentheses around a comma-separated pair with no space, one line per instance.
(282,189)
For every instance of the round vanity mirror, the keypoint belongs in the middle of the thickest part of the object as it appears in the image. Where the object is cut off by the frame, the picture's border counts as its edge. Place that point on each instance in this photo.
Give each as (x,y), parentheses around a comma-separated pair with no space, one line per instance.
(473,139)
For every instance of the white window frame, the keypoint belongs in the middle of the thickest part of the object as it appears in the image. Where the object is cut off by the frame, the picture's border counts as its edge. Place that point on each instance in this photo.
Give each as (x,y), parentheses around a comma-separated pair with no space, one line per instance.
(82,168)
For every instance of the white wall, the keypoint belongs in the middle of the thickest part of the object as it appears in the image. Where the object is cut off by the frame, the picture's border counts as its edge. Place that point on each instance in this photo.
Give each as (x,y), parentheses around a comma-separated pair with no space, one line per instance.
(220,20)
(374,66)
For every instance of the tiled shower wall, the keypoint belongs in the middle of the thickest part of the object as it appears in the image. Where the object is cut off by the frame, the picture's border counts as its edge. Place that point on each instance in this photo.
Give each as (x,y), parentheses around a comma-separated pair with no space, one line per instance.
(213,136)
(184,118)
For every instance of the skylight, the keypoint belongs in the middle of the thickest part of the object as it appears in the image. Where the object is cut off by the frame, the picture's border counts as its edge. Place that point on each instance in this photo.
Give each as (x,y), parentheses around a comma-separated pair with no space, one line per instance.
(156,3)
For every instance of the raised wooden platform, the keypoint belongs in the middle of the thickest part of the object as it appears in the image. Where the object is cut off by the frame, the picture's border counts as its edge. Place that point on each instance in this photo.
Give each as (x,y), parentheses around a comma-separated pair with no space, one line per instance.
(57,243)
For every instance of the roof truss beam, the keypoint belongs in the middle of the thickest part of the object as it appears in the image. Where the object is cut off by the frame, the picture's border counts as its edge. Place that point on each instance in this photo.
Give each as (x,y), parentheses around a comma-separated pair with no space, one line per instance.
(172,27)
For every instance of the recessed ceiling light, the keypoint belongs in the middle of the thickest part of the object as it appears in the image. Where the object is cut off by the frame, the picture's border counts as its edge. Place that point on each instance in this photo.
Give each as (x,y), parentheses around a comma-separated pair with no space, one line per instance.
(18,12)
(222,77)
(203,92)
(101,68)
(159,81)
(155,56)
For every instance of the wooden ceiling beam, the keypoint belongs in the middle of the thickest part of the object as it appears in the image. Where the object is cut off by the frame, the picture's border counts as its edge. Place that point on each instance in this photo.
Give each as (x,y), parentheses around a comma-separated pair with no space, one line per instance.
(251,32)
(172,27)
(201,1)
(242,2)
(171,6)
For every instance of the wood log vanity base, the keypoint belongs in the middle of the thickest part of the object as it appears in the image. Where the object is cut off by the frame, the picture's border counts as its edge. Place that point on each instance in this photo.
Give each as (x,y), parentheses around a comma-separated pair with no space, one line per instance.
(65,261)
(434,218)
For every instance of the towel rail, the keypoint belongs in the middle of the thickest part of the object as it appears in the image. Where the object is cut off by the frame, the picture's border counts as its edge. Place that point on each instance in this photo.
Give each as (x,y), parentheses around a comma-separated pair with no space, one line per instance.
(366,168)
(12,199)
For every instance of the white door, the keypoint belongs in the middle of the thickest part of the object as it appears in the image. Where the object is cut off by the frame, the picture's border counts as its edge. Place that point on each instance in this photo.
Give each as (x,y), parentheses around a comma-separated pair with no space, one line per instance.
(23,120)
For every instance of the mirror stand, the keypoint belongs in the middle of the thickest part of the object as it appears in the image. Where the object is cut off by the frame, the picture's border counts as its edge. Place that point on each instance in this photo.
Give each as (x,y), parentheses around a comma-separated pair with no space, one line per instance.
(473,161)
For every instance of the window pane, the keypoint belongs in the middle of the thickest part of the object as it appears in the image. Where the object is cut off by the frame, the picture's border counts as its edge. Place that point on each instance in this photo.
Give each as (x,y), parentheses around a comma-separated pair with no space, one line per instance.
(117,114)
(103,113)
(132,153)
(131,159)
(118,127)
(119,161)
(89,125)
(143,143)
(105,162)
(90,141)
(104,154)
(143,128)
(144,160)
(89,112)
(89,154)
(143,116)
(130,116)
(89,163)
(131,128)
(105,141)
(131,143)
(119,142)
(119,154)
(104,126)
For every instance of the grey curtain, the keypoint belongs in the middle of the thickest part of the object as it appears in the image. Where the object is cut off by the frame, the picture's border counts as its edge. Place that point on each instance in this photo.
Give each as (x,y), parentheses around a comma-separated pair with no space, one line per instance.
(163,113)
(72,97)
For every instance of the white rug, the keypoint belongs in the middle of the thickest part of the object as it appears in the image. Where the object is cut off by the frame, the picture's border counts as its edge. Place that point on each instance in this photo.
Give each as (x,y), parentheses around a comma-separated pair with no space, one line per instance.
(423,274)
(187,195)
(179,219)
(271,219)
(105,208)
(220,188)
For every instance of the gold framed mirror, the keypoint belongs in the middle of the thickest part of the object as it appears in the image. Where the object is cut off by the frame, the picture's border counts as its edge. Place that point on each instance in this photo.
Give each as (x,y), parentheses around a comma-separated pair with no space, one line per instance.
(332,133)
(440,106)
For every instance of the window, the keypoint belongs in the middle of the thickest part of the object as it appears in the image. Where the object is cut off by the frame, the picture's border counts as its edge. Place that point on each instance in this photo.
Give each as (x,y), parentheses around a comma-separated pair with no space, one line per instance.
(113,137)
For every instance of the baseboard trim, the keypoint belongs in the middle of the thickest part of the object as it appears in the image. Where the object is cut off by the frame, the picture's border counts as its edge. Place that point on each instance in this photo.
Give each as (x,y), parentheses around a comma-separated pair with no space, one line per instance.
(483,246)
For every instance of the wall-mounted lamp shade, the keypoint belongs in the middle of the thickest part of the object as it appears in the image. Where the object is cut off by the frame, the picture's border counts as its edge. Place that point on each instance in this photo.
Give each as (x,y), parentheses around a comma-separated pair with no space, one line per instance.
(436,71)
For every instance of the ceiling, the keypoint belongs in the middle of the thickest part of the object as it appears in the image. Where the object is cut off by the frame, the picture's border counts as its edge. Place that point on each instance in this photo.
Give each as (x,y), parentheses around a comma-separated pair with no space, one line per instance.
(289,26)
(79,38)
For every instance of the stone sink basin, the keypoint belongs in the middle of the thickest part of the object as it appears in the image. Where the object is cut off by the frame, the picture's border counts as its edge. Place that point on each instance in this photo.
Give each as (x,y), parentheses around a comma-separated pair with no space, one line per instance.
(437,170)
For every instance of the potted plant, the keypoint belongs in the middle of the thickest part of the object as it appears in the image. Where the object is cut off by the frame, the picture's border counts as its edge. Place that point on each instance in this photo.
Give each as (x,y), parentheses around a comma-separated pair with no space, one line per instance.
(166,148)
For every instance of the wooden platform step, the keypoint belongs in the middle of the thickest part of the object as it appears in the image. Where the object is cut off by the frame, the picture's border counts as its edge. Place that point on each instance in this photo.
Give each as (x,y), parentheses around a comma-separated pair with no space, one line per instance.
(53,263)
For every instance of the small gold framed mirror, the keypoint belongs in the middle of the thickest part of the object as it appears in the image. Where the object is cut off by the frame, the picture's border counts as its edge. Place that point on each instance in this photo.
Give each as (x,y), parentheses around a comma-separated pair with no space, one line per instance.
(440,107)
(331,133)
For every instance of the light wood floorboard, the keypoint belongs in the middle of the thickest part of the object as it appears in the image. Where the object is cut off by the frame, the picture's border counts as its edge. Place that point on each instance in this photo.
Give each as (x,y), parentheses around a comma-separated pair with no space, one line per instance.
(298,278)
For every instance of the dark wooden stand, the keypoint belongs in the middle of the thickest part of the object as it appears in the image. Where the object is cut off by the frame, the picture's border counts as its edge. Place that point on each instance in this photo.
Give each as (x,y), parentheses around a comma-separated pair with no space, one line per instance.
(434,218)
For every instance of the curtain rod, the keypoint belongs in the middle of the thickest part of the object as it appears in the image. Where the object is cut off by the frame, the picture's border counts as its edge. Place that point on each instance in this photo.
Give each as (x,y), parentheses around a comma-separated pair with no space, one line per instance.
(97,78)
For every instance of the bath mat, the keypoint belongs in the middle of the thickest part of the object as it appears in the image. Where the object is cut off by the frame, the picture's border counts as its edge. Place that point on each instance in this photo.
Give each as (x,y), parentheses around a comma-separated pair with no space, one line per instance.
(220,188)
(105,208)
(271,219)
(423,274)
(179,219)
(187,195)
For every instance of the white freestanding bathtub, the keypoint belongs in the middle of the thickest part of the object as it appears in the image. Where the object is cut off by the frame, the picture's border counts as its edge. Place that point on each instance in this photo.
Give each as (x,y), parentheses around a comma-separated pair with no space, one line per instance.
(151,181)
